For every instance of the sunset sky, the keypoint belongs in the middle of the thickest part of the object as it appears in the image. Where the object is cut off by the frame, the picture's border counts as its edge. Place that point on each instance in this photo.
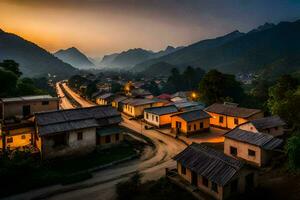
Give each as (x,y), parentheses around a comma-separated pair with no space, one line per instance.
(99,27)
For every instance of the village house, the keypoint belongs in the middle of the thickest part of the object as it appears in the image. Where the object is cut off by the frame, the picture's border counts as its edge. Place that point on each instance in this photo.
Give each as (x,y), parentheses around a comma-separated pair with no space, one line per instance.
(229,115)
(105,99)
(135,107)
(76,131)
(181,96)
(214,173)
(117,102)
(190,122)
(21,107)
(159,116)
(254,147)
(17,123)
(164,96)
(272,125)
(189,105)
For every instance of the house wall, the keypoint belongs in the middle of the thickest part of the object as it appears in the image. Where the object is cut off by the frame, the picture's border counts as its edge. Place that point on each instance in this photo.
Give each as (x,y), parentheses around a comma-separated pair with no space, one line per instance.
(242,152)
(228,121)
(101,102)
(16,108)
(165,119)
(152,119)
(102,140)
(73,147)
(18,137)
(137,111)
(185,125)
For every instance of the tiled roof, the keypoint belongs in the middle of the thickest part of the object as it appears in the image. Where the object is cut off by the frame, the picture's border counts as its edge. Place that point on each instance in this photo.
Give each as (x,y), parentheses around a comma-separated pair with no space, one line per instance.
(73,119)
(138,102)
(105,96)
(209,163)
(230,110)
(29,98)
(262,140)
(267,122)
(120,98)
(193,115)
(162,110)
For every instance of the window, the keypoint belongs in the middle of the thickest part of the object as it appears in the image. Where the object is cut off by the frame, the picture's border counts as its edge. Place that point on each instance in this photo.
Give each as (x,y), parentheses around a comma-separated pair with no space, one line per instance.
(107,139)
(79,136)
(183,170)
(157,118)
(10,140)
(205,181)
(195,126)
(147,116)
(117,137)
(23,137)
(178,124)
(233,151)
(45,102)
(234,186)
(152,118)
(214,187)
(236,121)
(201,125)
(251,152)
(189,127)
(221,119)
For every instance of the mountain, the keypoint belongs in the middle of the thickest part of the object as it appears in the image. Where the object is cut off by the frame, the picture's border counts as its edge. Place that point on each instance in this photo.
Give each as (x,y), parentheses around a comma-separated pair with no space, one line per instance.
(160,68)
(186,55)
(33,60)
(238,52)
(131,57)
(74,57)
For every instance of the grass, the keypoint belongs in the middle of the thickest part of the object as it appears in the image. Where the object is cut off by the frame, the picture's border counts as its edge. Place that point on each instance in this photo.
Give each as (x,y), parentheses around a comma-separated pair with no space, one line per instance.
(24,174)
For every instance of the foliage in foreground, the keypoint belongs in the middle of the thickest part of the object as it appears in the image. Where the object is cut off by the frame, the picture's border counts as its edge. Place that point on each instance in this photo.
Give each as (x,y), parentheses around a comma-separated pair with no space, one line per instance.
(161,189)
(293,151)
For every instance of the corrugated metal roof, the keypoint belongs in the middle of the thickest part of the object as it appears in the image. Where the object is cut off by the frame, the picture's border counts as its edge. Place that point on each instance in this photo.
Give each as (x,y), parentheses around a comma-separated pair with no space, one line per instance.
(162,110)
(105,96)
(72,119)
(120,98)
(262,140)
(138,102)
(209,163)
(231,110)
(29,98)
(267,122)
(193,115)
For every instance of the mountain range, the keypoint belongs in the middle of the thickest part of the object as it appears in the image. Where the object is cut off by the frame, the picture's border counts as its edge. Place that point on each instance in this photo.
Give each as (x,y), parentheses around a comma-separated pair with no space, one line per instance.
(33,60)
(255,51)
(75,58)
(127,59)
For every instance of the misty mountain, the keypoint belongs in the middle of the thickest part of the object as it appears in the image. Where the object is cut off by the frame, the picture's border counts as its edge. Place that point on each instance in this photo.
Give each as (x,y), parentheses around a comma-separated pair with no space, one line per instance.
(238,52)
(33,60)
(160,68)
(74,57)
(131,57)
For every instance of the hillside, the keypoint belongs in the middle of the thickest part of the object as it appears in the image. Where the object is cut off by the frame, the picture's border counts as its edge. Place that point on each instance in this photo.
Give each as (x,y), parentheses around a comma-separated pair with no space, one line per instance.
(75,58)
(237,52)
(33,60)
(127,59)
(160,68)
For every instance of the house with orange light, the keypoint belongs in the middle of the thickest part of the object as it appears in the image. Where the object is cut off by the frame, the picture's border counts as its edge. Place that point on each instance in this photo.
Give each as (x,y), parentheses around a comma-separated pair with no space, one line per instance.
(159,116)
(190,122)
(229,115)
(17,119)
(105,99)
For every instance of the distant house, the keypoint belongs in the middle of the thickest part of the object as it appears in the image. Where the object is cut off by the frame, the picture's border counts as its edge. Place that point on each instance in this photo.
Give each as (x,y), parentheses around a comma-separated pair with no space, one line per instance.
(164,96)
(17,126)
(140,93)
(229,116)
(76,131)
(255,148)
(105,99)
(272,125)
(214,173)
(181,96)
(190,122)
(159,116)
(117,102)
(25,106)
(189,105)
(135,107)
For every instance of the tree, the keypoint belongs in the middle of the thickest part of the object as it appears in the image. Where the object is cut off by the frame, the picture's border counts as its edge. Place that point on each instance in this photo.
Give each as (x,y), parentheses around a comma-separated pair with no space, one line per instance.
(91,88)
(218,87)
(284,101)
(8,82)
(293,151)
(11,65)
(116,87)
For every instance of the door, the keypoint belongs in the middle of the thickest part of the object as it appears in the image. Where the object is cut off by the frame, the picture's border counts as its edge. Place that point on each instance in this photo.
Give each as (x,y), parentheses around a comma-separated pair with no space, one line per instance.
(26,110)
(194,179)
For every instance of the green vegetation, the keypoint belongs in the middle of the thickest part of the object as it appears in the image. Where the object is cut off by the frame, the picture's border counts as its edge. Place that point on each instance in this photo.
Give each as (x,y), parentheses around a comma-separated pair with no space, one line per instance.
(293,151)
(23,172)
(161,189)
(12,84)
(218,87)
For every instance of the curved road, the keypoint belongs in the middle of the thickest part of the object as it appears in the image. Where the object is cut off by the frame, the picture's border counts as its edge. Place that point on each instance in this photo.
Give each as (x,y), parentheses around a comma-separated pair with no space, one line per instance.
(64,102)
(102,185)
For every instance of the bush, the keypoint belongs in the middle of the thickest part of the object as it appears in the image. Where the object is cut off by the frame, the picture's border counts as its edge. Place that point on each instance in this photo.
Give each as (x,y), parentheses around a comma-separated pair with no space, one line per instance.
(293,152)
